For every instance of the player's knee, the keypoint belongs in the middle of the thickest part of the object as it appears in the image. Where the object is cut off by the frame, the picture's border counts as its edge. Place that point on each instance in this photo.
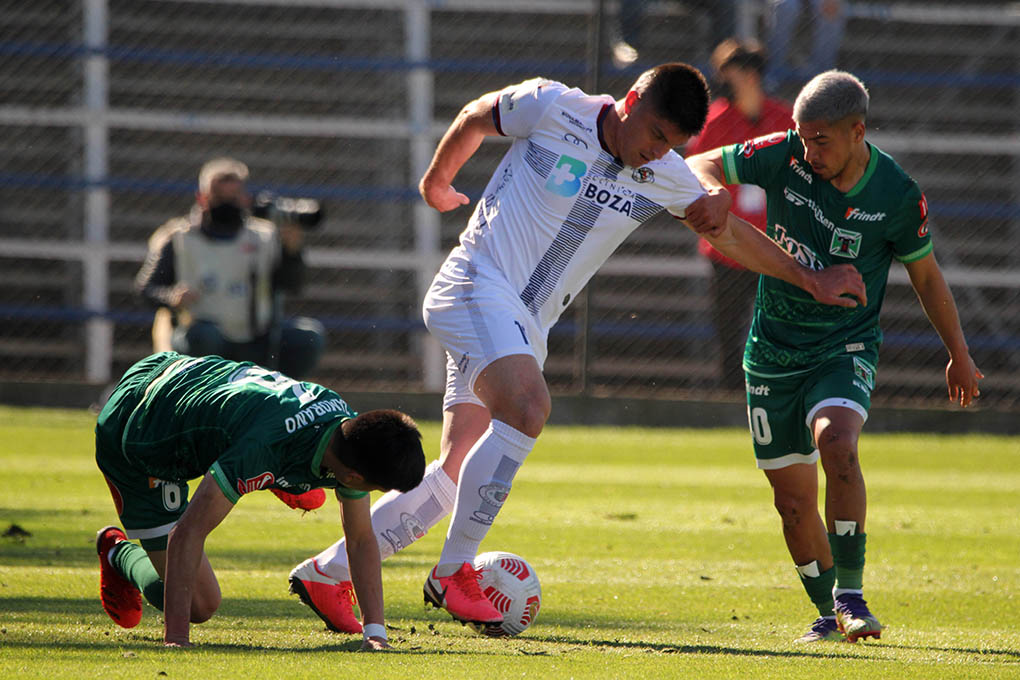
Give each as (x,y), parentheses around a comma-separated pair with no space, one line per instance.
(794,508)
(838,451)
(532,411)
(203,609)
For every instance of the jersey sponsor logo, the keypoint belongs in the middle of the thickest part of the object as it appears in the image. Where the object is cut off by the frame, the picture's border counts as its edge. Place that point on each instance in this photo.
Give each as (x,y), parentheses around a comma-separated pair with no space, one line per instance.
(643,175)
(855,347)
(306,416)
(575,122)
(507,101)
(757,390)
(799,200)
(575,140)
(565,178)
(865,371)
(255,483)
(752,145)
(800,252)
(845,243)
(608,183)
(799,171)
(858,214)
(609,199)
(922,205)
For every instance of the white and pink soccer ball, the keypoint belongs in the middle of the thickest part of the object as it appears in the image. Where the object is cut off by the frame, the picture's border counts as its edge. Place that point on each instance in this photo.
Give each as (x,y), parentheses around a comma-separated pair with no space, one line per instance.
(511,585)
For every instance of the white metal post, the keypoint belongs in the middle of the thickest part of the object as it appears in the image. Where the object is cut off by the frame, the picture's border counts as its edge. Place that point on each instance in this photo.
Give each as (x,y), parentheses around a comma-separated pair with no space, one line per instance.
(98,330)
(427,240)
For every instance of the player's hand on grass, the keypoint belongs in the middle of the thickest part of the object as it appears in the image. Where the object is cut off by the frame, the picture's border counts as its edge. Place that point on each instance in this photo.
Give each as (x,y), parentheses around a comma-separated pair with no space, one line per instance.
(834,283)
(962,379)
(442,198)
(177,643)
(708,213)
(374,644)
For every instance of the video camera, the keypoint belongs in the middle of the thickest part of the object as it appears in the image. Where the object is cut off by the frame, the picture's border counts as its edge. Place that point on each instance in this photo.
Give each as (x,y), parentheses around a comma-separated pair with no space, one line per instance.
(307,213)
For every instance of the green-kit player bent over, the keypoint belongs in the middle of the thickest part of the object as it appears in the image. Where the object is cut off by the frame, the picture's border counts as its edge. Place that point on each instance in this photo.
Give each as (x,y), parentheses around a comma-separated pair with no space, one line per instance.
(832,198)
(173,418)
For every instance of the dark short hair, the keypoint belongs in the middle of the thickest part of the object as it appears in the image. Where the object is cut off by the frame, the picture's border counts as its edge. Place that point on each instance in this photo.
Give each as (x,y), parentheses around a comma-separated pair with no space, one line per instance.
(384,447)
(678,92)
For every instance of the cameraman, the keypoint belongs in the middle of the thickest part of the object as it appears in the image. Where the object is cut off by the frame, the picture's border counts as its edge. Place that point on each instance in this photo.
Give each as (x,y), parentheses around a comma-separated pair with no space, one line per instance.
(221,272)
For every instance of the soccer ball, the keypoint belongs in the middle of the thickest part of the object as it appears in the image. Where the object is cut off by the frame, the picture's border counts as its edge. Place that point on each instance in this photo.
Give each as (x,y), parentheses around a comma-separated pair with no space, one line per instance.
(511,585)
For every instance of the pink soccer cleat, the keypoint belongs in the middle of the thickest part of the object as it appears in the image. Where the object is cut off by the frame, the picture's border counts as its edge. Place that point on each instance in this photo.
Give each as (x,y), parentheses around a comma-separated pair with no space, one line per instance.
(460,595)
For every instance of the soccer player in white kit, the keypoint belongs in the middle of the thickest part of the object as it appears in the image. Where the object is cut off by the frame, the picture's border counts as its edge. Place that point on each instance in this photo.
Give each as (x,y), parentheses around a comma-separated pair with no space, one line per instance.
(581,174)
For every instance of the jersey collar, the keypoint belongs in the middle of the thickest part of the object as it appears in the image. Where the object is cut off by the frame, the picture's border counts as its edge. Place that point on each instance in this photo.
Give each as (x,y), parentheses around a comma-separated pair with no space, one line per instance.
(868,172)
(602,139)
(320,449)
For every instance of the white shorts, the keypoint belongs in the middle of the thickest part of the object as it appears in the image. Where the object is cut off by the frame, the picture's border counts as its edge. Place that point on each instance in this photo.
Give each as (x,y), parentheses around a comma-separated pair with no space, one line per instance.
(477,317)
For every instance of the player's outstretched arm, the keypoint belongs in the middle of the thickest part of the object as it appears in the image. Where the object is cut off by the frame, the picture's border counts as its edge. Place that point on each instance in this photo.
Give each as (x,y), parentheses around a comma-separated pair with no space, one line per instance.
(962,375)
(462,139)
(740,241)
(366,568)
(184,550)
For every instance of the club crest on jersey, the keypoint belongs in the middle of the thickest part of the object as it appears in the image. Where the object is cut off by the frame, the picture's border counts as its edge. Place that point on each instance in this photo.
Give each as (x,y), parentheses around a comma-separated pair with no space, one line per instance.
(643,175)
(865,371)
(845,243)
(750,146)
(565,178)
(255,483)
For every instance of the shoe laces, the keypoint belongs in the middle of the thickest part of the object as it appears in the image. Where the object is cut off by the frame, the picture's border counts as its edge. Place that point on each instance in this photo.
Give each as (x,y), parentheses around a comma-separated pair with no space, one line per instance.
(852,605)
(467,579)
(823,625)
(347,593)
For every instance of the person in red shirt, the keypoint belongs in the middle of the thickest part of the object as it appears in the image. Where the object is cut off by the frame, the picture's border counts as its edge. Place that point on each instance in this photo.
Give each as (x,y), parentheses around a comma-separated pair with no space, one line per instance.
(741,111)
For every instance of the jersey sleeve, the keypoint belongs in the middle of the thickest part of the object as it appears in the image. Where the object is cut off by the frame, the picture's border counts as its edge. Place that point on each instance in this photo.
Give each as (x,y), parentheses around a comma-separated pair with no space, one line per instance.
(245,467)
(759,160)
(518,108)
(908,231)
(685,190)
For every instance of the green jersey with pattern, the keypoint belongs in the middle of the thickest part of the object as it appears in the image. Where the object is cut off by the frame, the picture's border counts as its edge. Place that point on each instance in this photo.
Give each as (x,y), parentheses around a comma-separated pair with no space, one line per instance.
(883,217)
(250,428)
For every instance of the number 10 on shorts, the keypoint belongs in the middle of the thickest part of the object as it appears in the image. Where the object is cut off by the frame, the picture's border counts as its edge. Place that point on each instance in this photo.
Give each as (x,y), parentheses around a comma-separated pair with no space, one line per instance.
(759,422)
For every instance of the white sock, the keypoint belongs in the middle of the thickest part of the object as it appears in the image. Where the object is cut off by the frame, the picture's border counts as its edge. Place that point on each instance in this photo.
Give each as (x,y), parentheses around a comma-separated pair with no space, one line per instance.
(485,480)
(398,520)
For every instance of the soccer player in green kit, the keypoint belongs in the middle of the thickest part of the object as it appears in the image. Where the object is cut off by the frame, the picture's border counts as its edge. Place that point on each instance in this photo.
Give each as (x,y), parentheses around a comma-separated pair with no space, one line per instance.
(810,368)
(173,418)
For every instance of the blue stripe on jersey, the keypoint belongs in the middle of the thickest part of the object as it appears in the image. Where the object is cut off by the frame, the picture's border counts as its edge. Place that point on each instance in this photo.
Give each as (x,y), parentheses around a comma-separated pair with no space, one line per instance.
(540,159)
(644,209)
(575,228)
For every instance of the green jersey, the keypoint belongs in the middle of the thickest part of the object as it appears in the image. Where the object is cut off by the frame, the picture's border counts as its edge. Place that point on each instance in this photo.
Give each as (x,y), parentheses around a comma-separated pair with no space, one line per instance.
(178,417)
(883,217)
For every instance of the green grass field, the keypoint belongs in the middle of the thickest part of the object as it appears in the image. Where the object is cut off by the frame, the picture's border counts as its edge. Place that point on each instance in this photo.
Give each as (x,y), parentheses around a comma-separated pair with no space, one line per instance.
(659,553)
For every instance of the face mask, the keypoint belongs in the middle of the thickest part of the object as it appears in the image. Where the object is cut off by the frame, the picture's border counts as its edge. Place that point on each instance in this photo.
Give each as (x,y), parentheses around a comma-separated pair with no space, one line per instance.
(226,218)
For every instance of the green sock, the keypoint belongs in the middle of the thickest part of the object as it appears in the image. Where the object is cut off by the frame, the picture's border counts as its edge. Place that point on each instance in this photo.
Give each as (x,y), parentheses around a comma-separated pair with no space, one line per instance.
(132,561)
(848,554)
(819,588)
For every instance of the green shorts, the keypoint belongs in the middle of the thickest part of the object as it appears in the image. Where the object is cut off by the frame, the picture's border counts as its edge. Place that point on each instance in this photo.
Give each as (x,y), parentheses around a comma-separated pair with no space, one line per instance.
(780,409)
(148,507)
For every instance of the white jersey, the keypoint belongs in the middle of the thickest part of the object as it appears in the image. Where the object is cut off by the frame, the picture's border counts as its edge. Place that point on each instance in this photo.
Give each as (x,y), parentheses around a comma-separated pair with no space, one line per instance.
(559,204)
